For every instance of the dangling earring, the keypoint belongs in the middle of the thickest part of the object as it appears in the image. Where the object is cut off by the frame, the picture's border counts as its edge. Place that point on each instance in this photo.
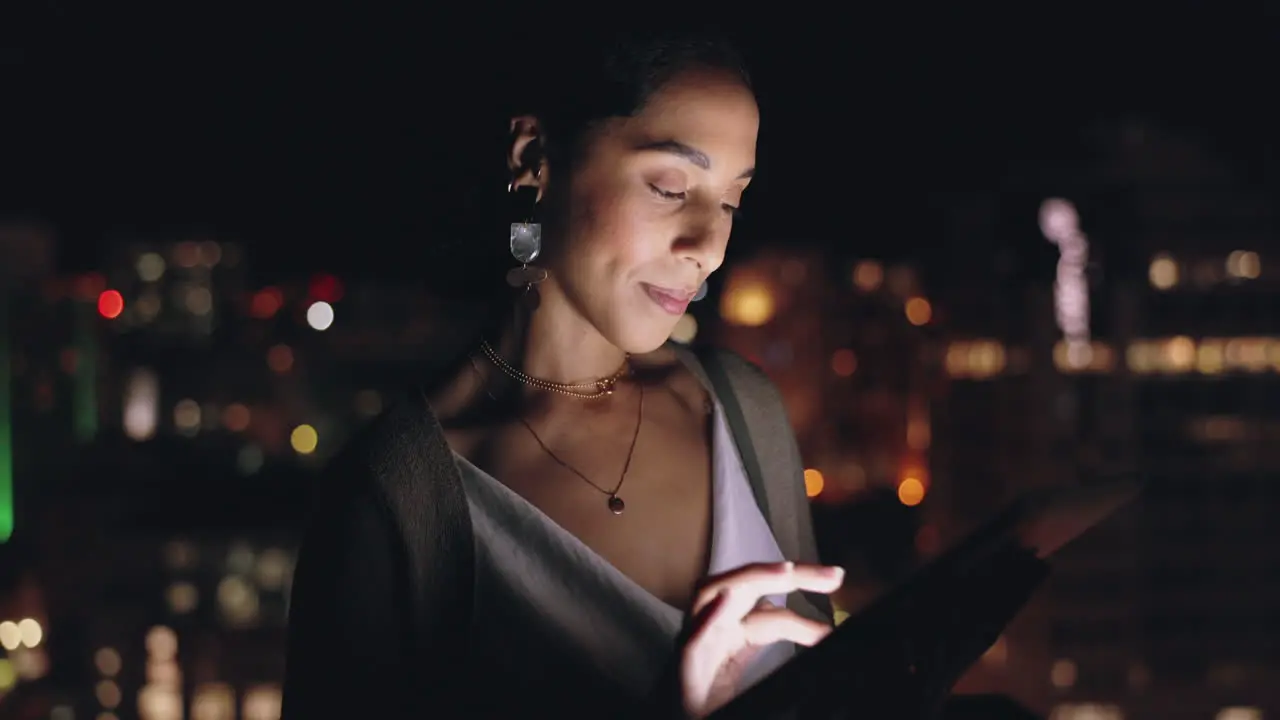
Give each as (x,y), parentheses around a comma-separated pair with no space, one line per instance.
(702,292)
(526,245)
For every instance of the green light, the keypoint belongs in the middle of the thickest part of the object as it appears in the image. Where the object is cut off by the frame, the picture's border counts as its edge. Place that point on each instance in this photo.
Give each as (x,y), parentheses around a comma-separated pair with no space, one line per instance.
(6,429)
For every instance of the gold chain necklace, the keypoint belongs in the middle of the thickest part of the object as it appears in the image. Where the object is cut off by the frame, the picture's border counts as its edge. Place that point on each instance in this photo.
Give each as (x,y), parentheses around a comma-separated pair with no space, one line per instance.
(584,390)
(615,504)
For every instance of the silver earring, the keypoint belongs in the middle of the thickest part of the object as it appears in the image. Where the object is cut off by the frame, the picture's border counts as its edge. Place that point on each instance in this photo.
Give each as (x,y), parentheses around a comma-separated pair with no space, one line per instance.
(526,244)
(702,292)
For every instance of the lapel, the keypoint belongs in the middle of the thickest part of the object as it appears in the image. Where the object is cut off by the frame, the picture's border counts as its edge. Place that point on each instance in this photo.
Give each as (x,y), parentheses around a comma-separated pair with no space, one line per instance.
(760,428)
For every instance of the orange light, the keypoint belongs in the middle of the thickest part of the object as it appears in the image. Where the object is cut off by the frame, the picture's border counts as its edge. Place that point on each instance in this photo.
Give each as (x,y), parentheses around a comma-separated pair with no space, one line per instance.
(844,362)
(110,304)
(919,312)
(813,482)
(911,492)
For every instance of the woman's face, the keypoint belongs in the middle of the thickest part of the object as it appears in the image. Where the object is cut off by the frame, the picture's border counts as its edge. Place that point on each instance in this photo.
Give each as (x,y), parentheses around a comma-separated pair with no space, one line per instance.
(646,212)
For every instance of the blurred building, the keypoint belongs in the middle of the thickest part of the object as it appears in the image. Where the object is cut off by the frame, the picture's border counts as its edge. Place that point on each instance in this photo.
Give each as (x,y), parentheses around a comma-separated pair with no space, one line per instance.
(1160,613)
(168,415)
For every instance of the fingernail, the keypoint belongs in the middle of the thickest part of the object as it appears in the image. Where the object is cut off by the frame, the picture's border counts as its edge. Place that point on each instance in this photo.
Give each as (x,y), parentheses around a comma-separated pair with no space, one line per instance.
(788,566)
(835,571)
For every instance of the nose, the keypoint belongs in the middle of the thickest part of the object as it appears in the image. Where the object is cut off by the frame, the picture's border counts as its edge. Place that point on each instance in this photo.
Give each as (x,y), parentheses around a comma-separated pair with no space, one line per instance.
(703,239)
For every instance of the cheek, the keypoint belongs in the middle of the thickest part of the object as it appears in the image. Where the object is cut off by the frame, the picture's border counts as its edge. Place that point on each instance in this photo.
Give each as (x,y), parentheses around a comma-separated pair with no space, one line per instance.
(613,232)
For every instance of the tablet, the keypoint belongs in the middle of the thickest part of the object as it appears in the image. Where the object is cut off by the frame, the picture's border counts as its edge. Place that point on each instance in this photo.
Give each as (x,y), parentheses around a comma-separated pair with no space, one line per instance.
(1005,554)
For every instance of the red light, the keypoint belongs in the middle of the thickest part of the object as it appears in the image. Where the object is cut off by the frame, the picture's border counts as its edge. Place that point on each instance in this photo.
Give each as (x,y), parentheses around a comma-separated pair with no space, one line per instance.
(325,287)
(110,304)
(266,303)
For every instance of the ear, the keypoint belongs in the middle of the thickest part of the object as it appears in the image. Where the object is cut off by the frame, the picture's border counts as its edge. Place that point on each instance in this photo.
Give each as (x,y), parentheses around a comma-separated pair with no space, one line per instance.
(526,158)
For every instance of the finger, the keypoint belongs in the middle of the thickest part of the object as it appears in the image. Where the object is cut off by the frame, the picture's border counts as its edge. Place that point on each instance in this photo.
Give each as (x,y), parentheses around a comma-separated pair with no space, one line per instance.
(766,626)
(745,586)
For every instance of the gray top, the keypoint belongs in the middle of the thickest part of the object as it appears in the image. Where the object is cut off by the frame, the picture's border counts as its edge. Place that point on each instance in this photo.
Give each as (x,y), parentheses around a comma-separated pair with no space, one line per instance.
(559,629)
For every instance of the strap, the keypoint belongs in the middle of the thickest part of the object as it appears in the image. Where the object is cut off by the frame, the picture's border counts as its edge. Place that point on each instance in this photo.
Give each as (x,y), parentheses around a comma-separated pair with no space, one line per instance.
(761,430)
(724,390)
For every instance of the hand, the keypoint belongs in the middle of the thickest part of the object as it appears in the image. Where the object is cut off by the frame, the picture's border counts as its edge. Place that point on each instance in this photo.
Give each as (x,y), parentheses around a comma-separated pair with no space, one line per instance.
(732,621)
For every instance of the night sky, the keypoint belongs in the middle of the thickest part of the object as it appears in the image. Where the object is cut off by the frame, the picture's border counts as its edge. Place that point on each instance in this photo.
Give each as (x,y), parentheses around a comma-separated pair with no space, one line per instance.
(344,139)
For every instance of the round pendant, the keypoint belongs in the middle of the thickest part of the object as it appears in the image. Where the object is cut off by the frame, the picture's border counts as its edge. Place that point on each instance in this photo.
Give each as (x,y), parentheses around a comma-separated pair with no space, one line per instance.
(616,506)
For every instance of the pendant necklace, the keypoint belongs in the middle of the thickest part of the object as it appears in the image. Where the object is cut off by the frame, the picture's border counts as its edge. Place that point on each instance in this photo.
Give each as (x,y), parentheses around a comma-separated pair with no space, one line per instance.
(603,386)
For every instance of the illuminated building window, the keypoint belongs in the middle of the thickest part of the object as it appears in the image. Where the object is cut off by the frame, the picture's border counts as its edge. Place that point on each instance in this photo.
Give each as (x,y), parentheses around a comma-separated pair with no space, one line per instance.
(919,311)
(1244,265)
(975,359)
(237,601)
(141,405)
(867,275)
(107,661)
(214,701)
(1239,713)
(108,694)
(262,702)
(157,702)
(150,267)
(198,300)
(749,303)
(273,569)
(162,643)
(182,597)
(911,491)
(1063,674)
(186,416)
(1086,711)
(1163,272)
(813,482)
(304,439)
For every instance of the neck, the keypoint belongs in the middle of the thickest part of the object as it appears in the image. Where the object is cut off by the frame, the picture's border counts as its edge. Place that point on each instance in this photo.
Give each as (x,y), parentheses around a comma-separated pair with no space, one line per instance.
(555,343)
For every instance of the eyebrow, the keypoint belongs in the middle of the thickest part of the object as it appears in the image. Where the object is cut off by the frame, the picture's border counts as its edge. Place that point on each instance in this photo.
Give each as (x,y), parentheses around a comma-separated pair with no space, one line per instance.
(690,153)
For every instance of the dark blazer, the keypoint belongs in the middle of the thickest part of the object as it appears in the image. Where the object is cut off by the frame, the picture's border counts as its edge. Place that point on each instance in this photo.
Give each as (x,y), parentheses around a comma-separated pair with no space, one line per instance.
(381,602)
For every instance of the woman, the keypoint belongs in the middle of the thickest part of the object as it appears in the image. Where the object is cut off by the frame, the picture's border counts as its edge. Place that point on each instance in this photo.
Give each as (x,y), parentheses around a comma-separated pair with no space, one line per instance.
(590,545)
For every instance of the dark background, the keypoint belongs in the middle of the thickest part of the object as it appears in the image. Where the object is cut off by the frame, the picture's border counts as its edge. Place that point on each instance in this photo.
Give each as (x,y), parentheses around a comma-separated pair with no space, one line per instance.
(352,136)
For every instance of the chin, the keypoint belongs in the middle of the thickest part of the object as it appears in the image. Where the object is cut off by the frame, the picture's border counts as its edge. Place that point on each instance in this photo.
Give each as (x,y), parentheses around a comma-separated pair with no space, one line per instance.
(638,336)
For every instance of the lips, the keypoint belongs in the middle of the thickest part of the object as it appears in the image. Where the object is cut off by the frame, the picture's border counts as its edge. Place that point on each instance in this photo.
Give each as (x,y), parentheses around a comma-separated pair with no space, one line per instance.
(674,302)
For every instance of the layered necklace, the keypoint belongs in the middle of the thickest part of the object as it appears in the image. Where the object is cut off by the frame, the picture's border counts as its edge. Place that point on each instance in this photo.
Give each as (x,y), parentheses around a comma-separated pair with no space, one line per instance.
(585,391)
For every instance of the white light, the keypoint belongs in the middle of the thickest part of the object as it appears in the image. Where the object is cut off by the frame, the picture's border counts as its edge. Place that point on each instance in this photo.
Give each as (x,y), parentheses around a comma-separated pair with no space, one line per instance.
(142,404)
(150,267)
(31,633)
(320,315)
(1060,224)
(10,635)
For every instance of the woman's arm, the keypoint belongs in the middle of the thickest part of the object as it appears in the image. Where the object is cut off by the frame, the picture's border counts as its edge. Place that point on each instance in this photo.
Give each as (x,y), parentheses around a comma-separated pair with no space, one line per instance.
(350,632)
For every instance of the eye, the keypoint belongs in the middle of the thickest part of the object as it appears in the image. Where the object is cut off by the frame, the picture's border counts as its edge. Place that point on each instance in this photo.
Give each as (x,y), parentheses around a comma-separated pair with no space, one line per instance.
(666,194)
